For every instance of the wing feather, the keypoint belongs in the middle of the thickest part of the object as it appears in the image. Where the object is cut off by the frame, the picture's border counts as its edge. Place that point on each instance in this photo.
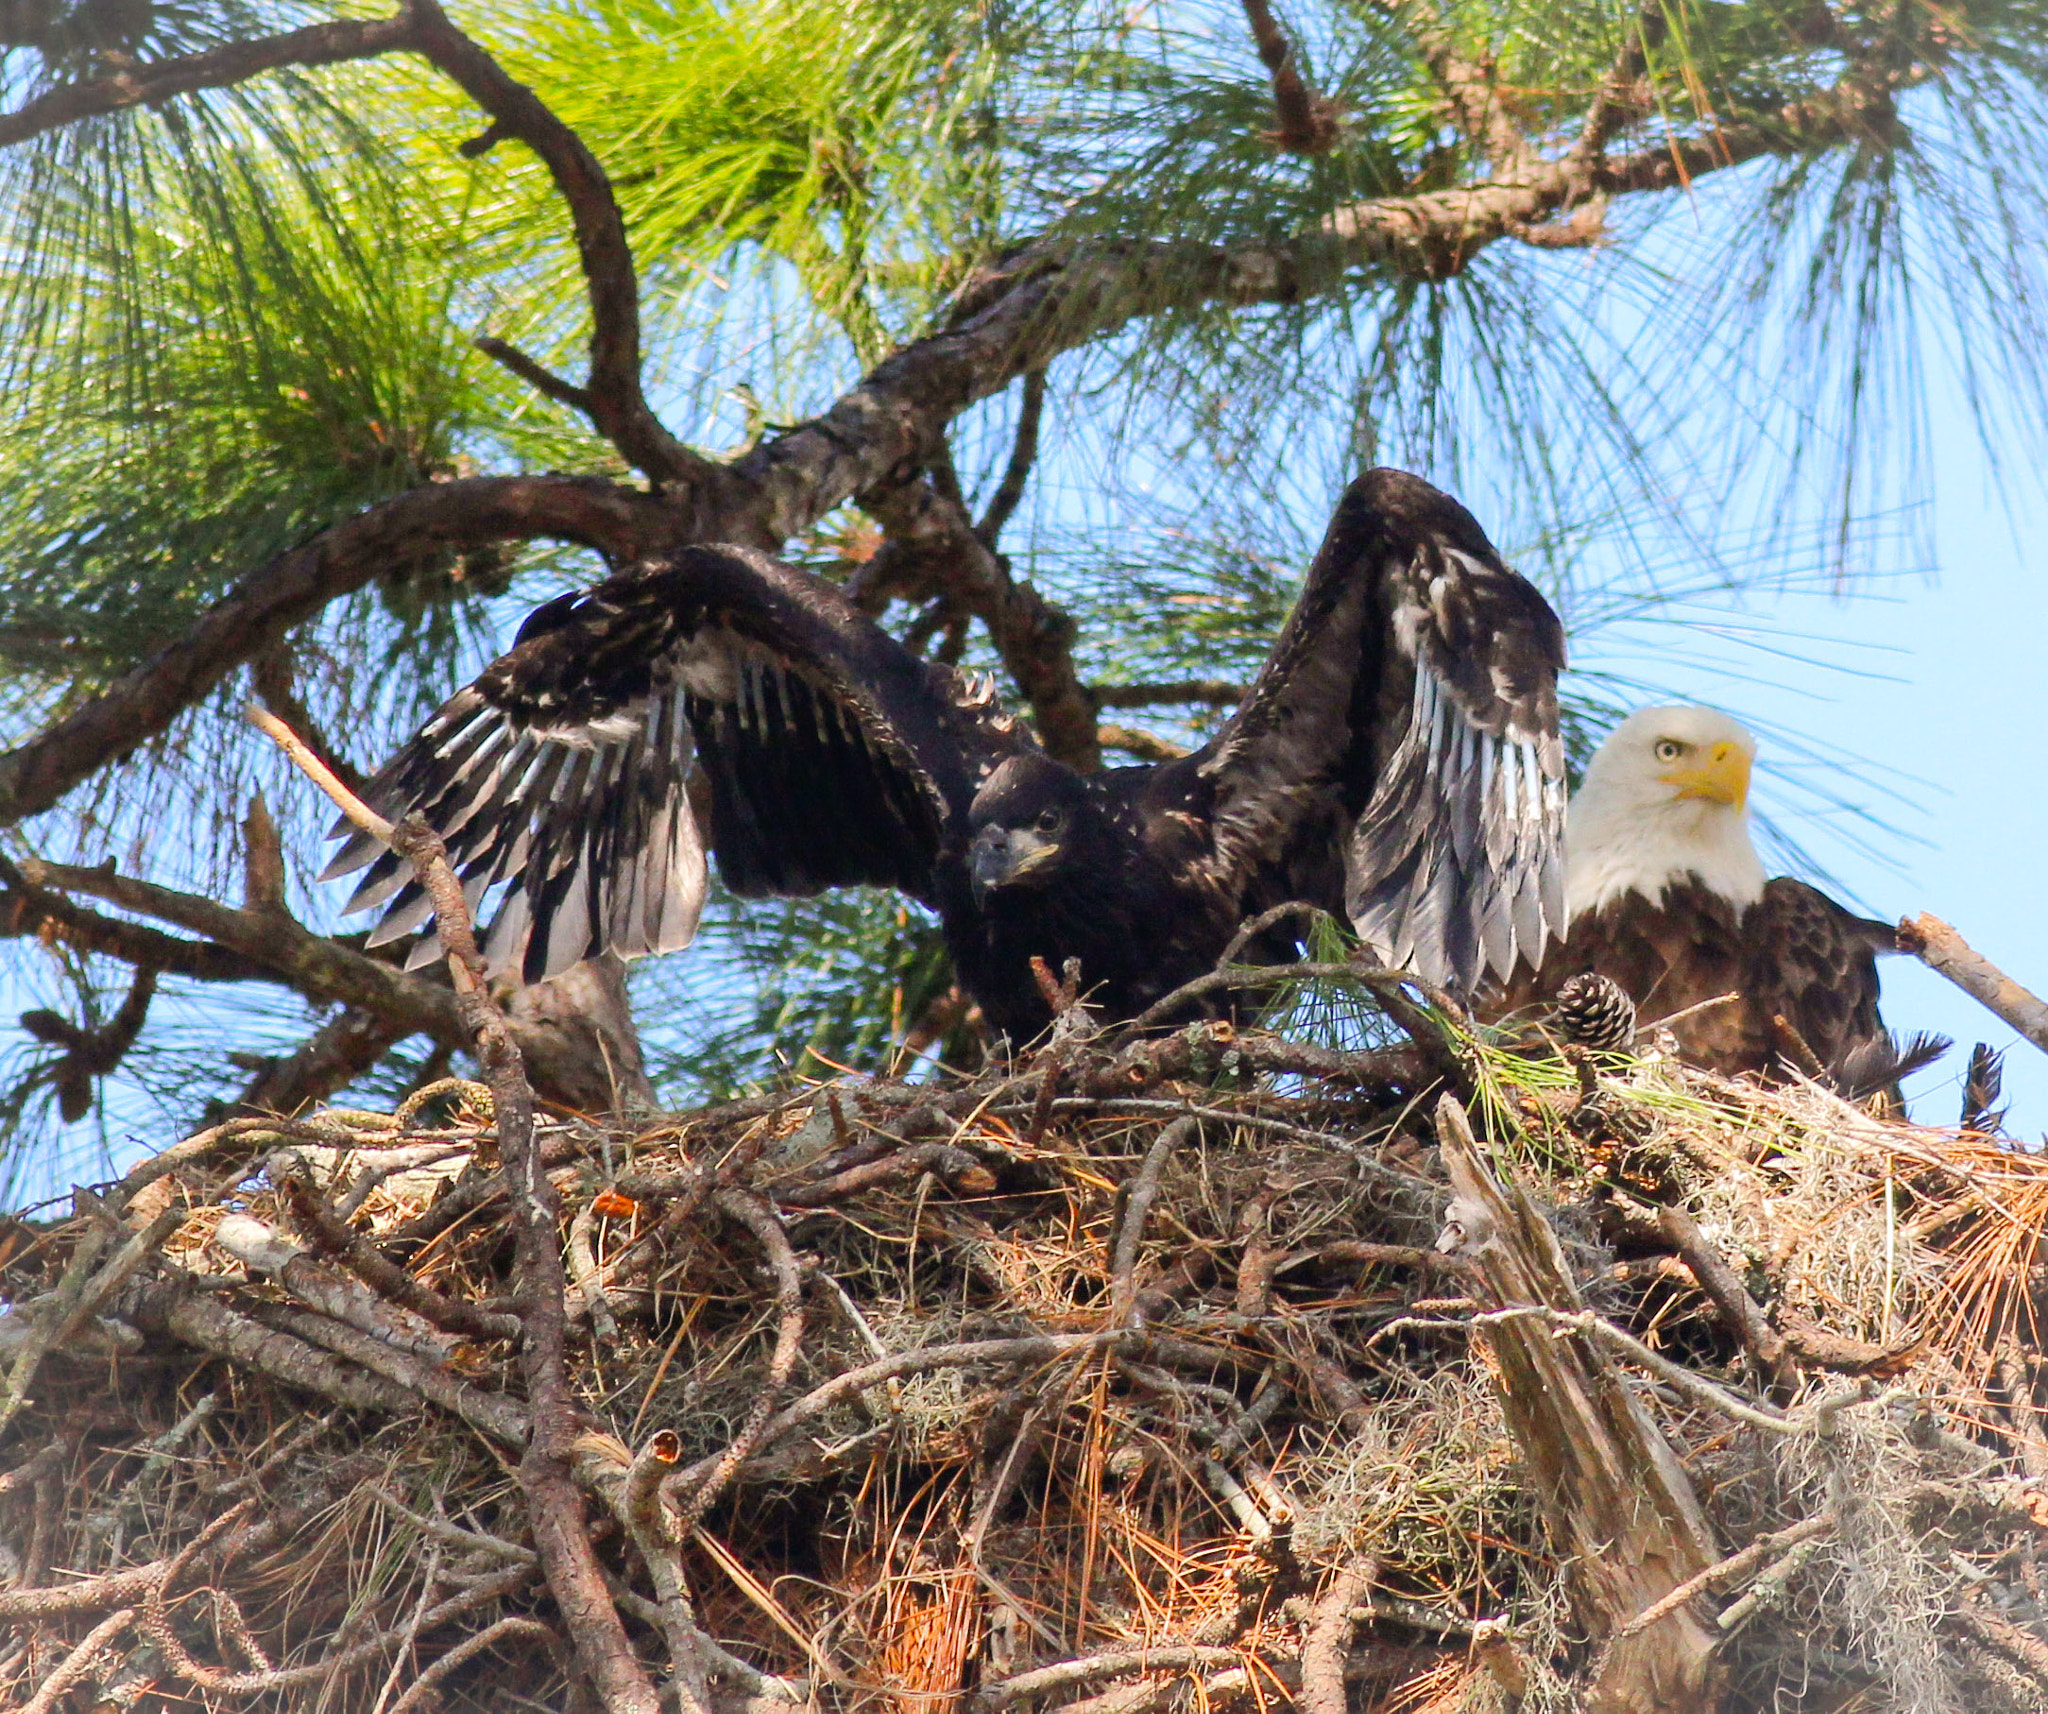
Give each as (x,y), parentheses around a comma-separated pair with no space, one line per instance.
(559,780)
(1398,757)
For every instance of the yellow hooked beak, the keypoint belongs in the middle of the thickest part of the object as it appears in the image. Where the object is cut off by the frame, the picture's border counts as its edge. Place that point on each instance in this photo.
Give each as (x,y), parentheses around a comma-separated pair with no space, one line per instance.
(1722,778)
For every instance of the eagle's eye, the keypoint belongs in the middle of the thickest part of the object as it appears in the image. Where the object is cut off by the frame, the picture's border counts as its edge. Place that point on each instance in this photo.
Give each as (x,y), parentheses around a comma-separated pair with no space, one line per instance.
(1051,820)
(1669,749)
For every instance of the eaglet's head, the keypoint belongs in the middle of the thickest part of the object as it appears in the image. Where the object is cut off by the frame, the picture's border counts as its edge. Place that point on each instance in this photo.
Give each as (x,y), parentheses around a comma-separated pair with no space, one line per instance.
(1667,796)
(1025,824)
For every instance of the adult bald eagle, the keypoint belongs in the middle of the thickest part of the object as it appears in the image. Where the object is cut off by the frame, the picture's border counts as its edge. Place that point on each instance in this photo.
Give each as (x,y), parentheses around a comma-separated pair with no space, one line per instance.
(1397,759)
(1667,897)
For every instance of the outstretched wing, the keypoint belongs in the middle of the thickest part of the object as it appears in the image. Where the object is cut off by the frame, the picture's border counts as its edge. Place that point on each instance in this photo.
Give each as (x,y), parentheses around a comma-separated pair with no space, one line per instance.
(1398,755)
(717,699)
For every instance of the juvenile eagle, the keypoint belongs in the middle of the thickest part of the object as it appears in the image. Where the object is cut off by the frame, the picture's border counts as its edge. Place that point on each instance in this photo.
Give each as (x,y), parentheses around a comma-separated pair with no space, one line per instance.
(1666,896)
(1397,759)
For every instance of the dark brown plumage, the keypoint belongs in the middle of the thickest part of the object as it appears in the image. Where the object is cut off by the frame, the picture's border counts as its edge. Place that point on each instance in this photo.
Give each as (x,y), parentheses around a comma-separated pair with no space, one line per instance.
(1794,954)
(1396,760)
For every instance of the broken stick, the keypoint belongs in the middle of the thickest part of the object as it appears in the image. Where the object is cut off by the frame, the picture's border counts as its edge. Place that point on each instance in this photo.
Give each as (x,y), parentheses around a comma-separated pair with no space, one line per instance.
(1940,948)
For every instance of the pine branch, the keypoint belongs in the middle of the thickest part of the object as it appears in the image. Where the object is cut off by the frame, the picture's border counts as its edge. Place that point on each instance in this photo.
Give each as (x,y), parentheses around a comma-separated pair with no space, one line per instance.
(215,68)
(1471,90)
(1621,97)
(1040,301)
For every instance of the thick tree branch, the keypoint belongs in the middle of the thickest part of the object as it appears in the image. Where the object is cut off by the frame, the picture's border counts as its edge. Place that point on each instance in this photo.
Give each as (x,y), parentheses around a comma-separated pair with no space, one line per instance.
(933,545)
(612,395)
(293,587)
(215,68)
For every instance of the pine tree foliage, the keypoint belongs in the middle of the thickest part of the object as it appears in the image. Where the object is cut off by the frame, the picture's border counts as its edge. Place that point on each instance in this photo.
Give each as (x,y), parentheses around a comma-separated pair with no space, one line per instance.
(237,316)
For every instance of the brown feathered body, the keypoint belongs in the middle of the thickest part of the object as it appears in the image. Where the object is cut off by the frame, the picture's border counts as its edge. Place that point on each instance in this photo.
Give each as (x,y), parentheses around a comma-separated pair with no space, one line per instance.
(1794,954)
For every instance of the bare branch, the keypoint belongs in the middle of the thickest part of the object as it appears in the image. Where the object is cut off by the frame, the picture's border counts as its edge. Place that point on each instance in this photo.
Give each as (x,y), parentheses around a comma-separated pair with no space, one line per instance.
(540,378)
(1135,741)
(1327,1646)
(1144,1191)
(554,1503)
(29,910)
(1736,1565)
(376,1270)
(215,68)
(1940,948)
(759,1219)
(1764,1344)
(275,678)
(615,402)
(933,544)
(1023,452)
(1308,123)
(1167,1657)
(278,947)
(1034,1348)
(1218,692)
(421,1692)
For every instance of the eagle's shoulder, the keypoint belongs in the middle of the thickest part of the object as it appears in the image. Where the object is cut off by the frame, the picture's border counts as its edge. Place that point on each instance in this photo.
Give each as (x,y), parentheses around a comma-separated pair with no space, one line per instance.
(1794,916)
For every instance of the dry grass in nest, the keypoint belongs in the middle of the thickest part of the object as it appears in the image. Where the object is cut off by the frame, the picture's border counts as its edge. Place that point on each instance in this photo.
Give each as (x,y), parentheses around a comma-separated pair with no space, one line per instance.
(1147,1507)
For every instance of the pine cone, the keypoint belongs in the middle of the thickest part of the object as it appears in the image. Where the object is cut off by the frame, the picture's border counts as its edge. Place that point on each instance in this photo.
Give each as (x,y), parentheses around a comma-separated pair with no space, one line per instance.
(1595,1012)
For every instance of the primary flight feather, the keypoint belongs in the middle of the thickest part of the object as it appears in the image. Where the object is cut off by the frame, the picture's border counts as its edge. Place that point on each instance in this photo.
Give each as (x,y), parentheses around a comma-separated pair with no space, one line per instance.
(1396,761)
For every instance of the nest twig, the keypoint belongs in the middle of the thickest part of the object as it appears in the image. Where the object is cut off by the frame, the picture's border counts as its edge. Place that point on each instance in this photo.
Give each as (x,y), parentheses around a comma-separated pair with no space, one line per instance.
(1148,1370)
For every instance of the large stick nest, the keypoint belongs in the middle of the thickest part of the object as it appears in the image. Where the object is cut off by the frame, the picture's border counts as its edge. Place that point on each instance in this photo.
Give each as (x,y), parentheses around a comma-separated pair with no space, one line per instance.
(1114,1379)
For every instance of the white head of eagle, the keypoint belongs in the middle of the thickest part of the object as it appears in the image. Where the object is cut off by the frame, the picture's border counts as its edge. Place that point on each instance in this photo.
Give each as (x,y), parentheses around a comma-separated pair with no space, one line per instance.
(1666,797)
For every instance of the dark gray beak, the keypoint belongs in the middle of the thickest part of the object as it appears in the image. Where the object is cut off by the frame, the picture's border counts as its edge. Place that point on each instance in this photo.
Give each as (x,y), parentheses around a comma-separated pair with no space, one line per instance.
(1001,855)
(988,861)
